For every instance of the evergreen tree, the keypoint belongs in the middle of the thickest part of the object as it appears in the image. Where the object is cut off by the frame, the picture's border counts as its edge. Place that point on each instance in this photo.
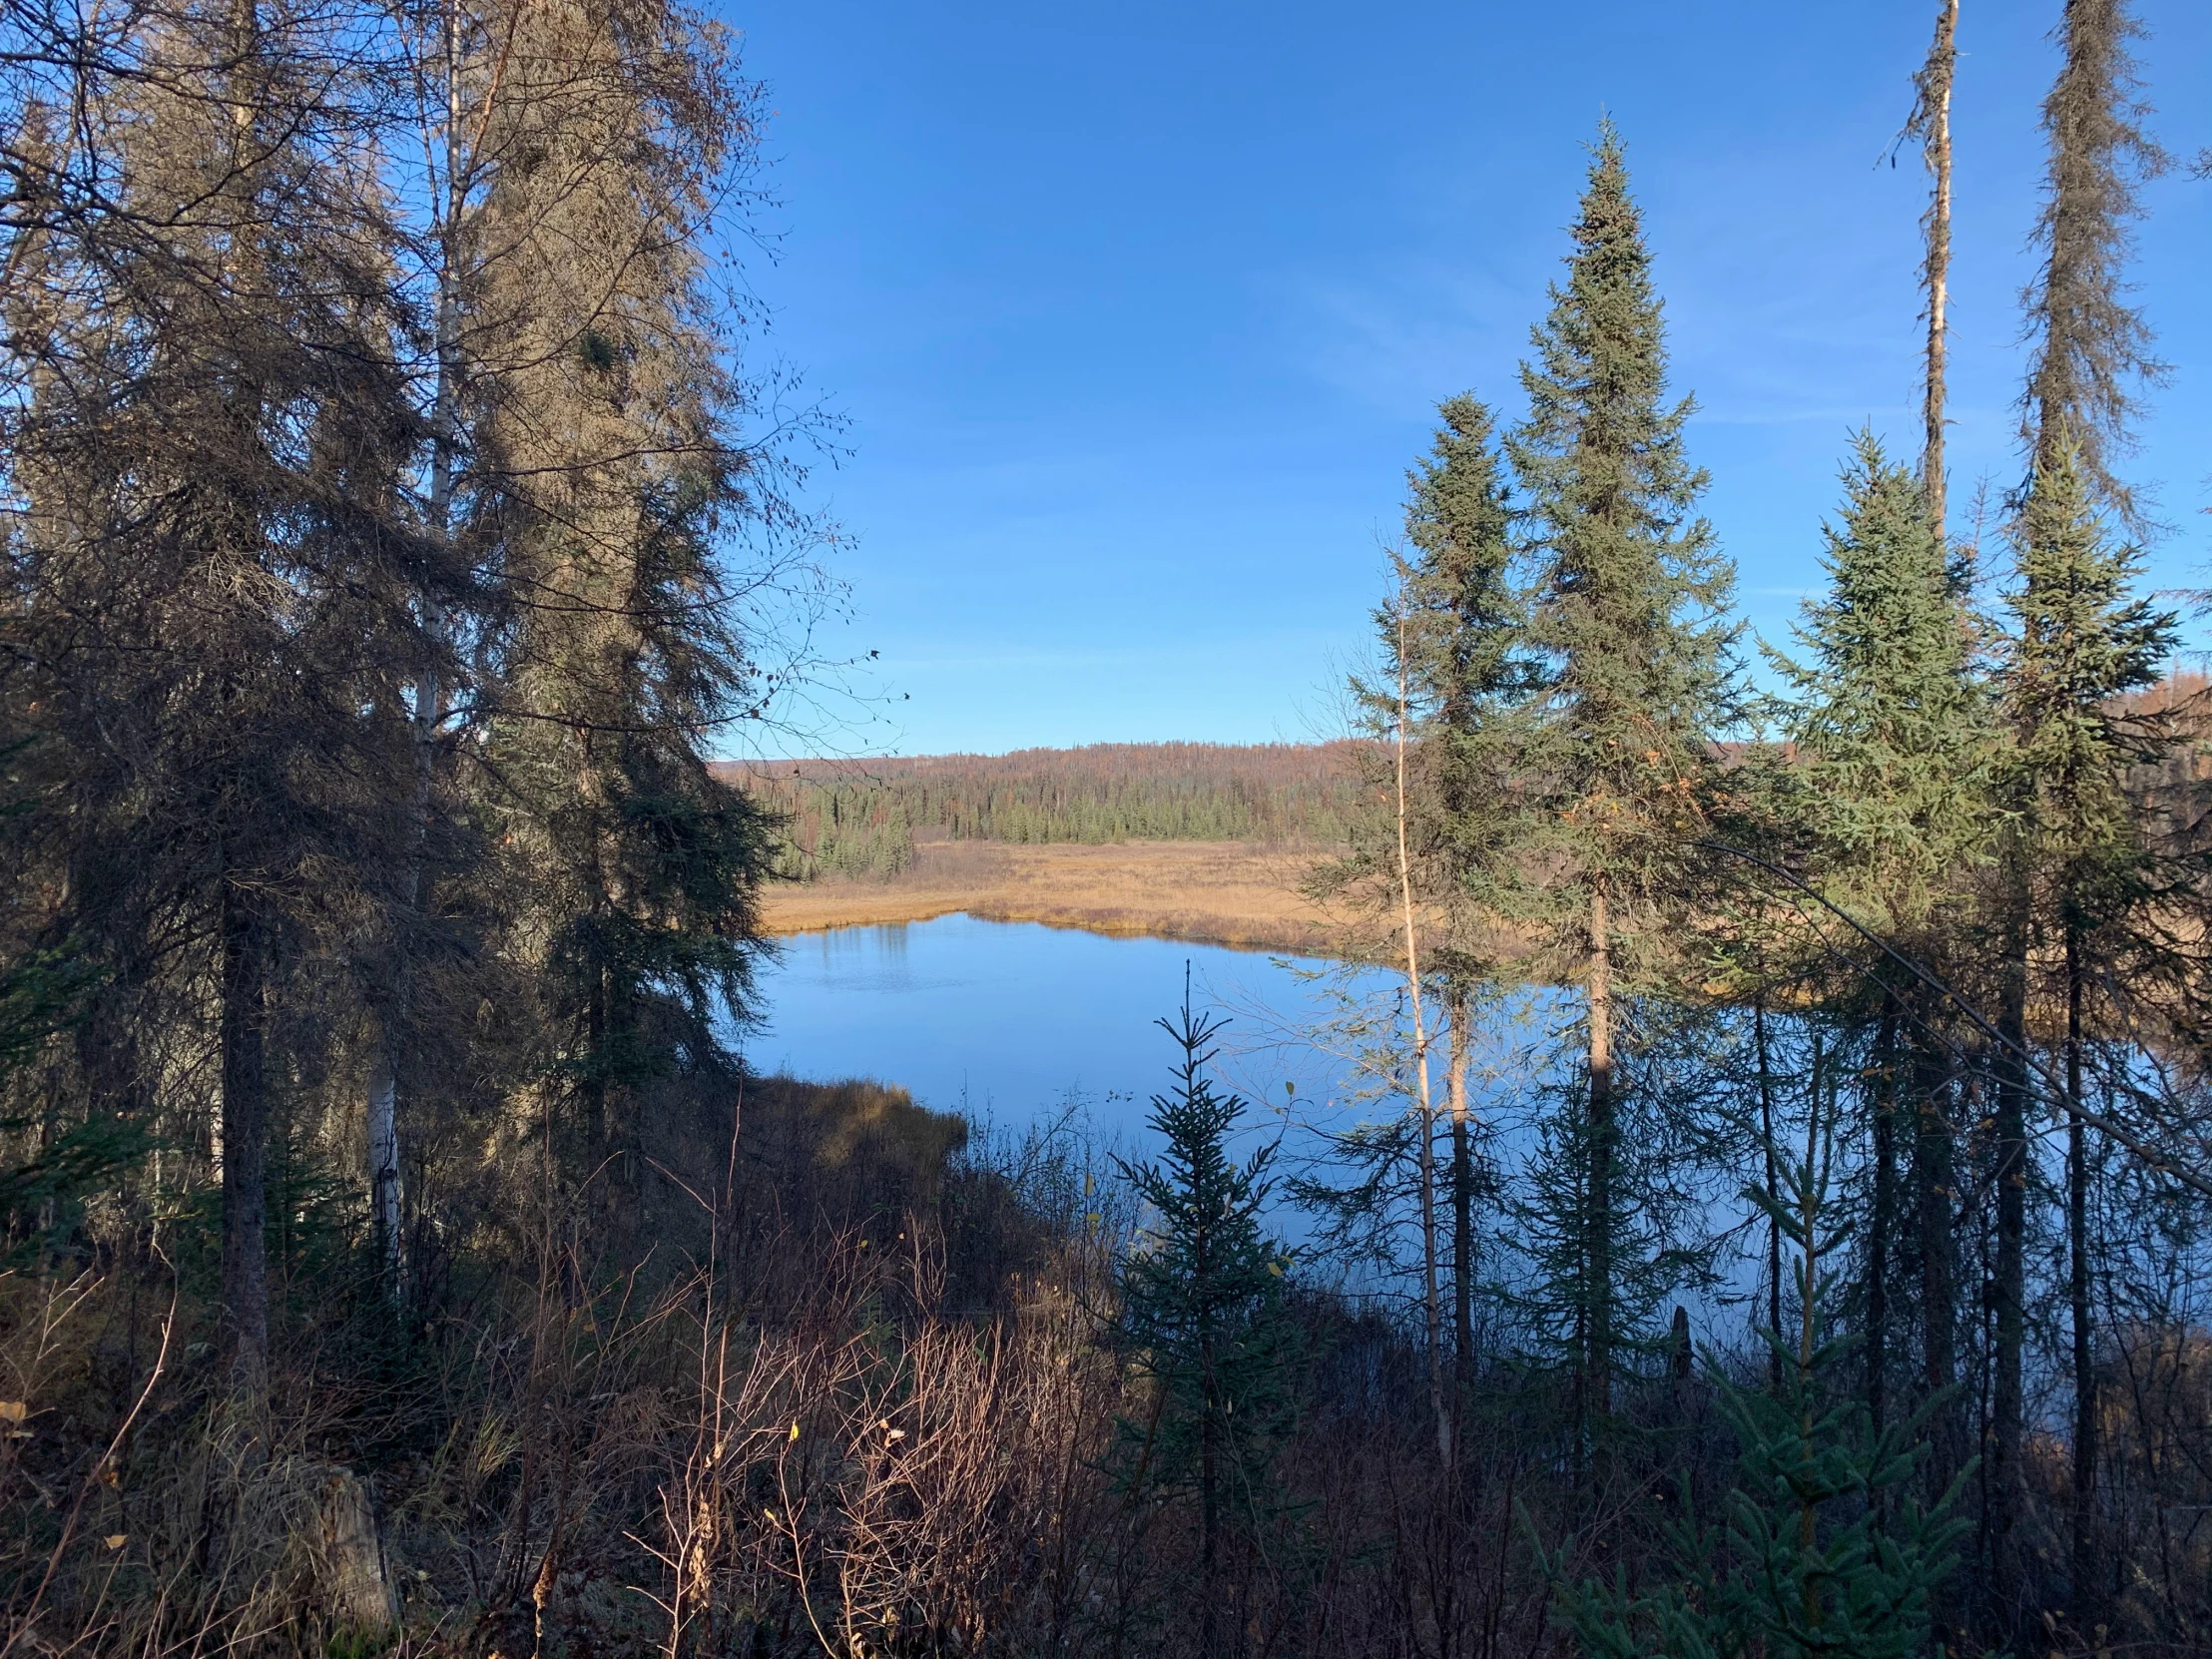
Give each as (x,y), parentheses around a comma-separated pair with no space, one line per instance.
(1468,667)
(213,568)
(2091,351)
(1810,1560)
(1892,728)
(2081,642)
(1204,1310)
(1894,738)
(1626,619)
(2090,346)
(605,440)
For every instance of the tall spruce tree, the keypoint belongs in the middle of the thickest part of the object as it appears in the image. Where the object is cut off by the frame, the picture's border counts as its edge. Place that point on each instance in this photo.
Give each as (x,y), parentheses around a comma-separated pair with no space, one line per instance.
(2091,347)
(1627,619)
(2091,353)
(608,430)
(1894,737)
(1468,665)
(2081,641)
(1891,727)
(213,570)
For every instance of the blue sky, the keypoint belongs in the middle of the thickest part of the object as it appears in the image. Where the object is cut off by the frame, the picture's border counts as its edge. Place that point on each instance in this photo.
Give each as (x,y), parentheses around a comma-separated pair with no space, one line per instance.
(1137,313)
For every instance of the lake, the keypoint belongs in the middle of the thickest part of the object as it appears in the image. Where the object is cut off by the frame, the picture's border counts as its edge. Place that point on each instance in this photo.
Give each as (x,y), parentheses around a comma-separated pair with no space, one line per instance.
(1007,1021)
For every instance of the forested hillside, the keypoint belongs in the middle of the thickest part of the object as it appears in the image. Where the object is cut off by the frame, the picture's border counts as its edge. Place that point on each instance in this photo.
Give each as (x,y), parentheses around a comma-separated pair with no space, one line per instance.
(1767,1214)
(862,818)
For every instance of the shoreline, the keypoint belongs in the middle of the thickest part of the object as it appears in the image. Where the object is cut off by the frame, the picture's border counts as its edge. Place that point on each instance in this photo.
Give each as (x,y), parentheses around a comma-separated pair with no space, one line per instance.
(1237,894)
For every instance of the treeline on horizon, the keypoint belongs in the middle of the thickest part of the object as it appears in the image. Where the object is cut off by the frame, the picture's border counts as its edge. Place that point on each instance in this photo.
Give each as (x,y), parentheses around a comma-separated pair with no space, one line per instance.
(397,1254)
(862,818)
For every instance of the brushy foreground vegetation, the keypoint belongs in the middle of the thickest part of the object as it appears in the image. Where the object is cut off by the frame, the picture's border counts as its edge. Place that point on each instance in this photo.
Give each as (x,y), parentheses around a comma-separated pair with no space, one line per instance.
(401,1258)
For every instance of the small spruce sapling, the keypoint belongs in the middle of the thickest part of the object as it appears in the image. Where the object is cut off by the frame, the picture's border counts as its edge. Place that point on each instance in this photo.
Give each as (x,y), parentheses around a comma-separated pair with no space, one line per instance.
(1820,1552)
(1204,1311)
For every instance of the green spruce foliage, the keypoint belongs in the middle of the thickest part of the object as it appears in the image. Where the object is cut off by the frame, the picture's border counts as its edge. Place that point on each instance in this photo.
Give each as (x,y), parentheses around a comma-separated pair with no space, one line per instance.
(1889,795)
(1892,730)
(2081,641)
(1466,656)
(1820,1553)
(1630,593)
(2085,873)
(1626,620)
(1204,1312)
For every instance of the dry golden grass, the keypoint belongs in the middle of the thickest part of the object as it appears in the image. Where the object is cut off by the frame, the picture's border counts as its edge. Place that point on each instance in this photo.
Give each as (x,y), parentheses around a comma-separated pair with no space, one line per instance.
(1214,892)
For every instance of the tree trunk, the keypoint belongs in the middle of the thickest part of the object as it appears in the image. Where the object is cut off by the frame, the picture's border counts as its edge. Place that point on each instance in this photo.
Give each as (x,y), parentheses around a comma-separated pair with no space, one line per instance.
(2089,1563)
(383,1165)
(2007,1426)
(1598,1219)
(1934,1173)
(1209,1460)
(1463,1201)
(1881,1223)
(242,1037)
(1425,1102)
(1774,1226)
(428,695)
(1933,119)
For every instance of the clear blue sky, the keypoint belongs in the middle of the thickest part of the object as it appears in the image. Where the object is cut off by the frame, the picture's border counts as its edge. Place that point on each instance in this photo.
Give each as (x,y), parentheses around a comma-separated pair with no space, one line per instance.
(1138,312)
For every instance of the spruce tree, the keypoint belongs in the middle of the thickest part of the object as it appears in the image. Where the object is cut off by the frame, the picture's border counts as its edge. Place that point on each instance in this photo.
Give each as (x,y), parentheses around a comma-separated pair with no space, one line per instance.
(1892,728)
(1893,734)
(212,564)
(2091,347)
(1626,617)
(1820,1553)
(2091,353)
(2081,641)
(1204,1310)
(605,420)
(1467,662)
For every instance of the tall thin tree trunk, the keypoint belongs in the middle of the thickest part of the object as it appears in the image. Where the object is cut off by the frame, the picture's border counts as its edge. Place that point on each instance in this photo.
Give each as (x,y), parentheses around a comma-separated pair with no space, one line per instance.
(1462,1199)
(1935,1173)
(242,1036)
(1881,1221)
(1425,1104)
(1932,118)
(383,1163)
(2088,1561)
(428,693)
(1774,1226)
(1598,1219)
(2006,1426)
(1209,1499)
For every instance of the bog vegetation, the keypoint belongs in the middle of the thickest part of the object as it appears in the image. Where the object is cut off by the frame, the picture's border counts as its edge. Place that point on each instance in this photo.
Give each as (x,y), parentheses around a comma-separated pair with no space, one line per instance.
(400,1257)
(862,818)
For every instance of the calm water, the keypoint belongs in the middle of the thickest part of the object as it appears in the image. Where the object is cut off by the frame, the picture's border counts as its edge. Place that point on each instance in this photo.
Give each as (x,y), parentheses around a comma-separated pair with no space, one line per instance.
(1007,1020)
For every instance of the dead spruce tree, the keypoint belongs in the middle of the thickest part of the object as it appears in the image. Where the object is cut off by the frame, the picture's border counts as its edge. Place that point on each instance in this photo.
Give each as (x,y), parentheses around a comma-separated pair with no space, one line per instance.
(212,564)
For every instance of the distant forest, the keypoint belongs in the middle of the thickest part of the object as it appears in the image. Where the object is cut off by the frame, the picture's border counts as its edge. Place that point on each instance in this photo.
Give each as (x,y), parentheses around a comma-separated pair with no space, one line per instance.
(862,818)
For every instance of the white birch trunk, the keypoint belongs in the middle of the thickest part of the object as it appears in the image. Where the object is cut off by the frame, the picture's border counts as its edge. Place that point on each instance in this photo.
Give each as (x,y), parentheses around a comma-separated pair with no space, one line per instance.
(1425,1103)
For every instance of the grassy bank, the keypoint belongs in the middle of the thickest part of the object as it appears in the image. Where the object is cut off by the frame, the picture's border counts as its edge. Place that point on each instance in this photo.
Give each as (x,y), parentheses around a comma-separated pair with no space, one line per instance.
(1214,892)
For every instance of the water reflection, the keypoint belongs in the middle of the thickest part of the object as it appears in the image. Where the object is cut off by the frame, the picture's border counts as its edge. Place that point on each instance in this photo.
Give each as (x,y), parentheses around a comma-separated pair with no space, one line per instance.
(1006,1019)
